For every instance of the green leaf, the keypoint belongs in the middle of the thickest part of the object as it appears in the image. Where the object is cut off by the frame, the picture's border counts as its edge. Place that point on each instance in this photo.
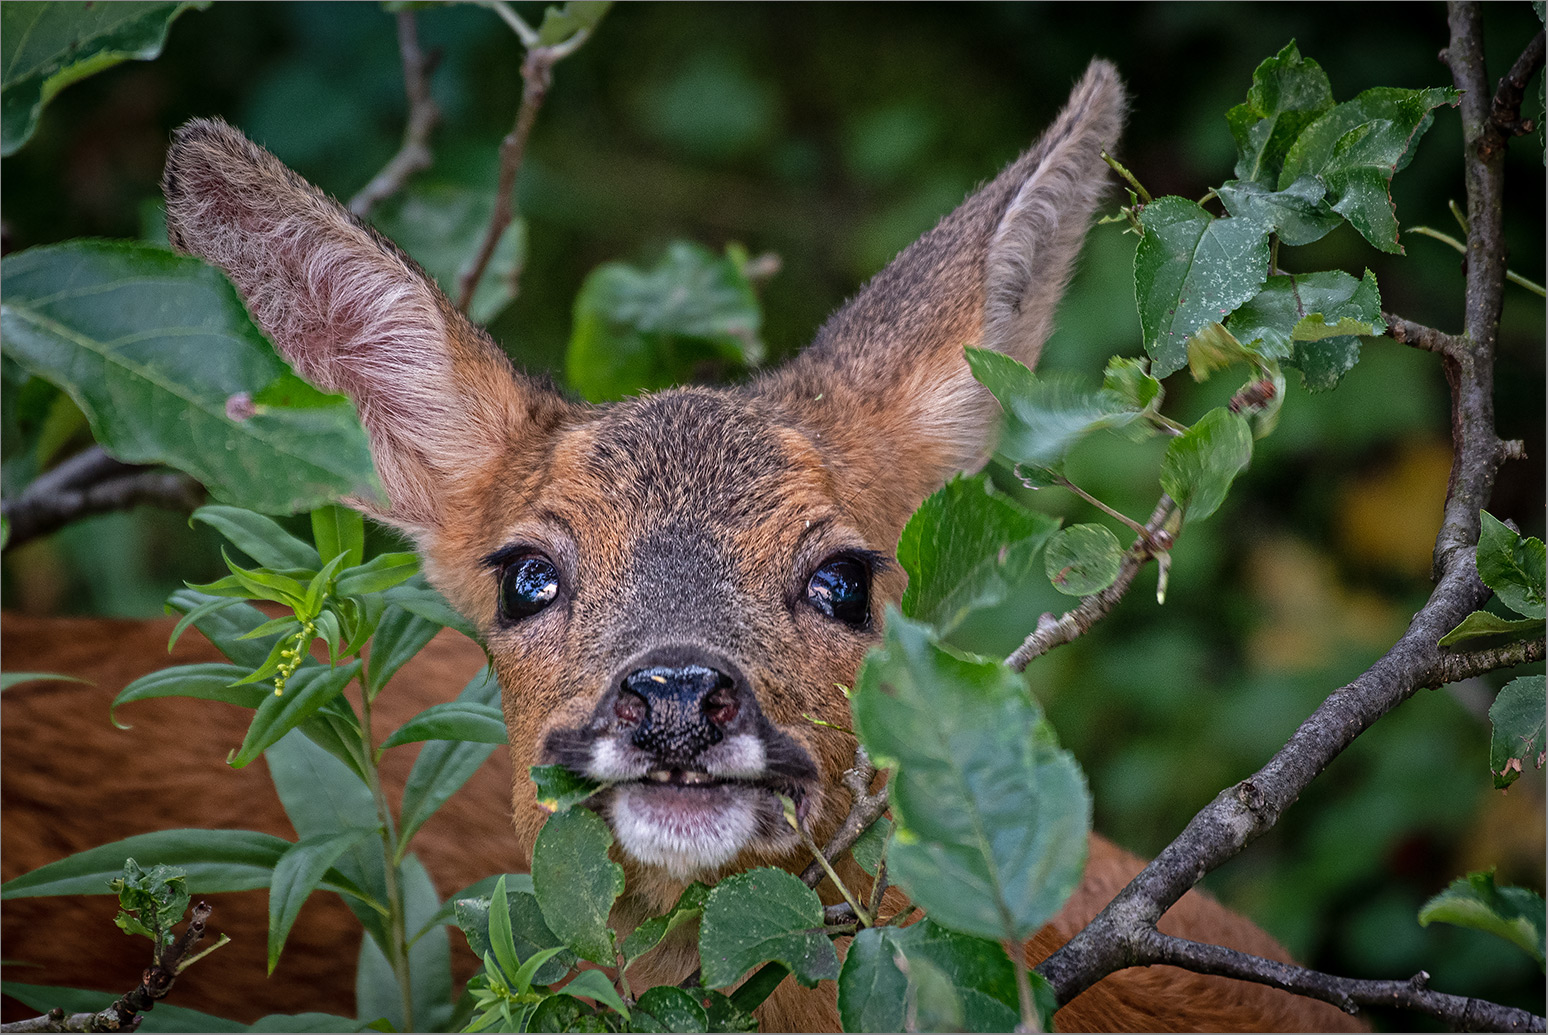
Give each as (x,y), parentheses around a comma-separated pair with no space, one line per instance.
(453,720)
(444,766)
(1515,914)
(694,314)
(559,789)
(398,637)
(209,681)
(339,530)
(872,988)
(380,573)
(593,984)
(966,548)
(1513,566)
(377,993)
(1288,93)
(529,933)
(991,815)
(1191,270)
(724,1012)
(1485,623)
(1517,714)
(1201,463)
(417,598)
(297,874)
(45,47)
(10,679)
(560,23)
(930,1001)
(1044,416)
(1297,214)
(151,902)
(1354,149)
(160,355)
(672,1009)
(764,914)
(1312,321)
(214,860)
(577,883)
(690,905)
(305,692)
(1083,559)
(561,1012)
(868,847)
(258,536)
(435,221)
(227,627)
(1128,380)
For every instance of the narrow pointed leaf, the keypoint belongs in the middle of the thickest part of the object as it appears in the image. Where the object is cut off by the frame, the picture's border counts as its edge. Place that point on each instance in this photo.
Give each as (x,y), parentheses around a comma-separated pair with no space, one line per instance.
(444,766)
(258,536)
(306,691)
(298,873)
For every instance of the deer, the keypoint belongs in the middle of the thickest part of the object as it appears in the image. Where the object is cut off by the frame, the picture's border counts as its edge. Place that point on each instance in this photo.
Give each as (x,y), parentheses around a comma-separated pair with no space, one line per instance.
(667,585)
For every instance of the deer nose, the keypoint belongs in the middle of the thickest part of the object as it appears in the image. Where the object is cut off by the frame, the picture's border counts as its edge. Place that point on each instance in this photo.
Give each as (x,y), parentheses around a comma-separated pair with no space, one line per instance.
(677,712)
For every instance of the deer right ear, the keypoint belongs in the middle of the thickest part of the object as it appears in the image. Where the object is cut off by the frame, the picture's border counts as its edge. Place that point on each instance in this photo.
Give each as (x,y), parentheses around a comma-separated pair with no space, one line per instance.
(439,400)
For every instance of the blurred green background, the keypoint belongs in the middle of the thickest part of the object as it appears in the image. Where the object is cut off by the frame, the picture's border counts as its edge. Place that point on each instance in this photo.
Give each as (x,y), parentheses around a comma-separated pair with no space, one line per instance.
(832,136)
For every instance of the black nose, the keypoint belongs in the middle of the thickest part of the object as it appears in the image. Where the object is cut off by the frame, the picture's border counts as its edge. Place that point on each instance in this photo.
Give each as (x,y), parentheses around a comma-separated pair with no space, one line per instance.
(677,711)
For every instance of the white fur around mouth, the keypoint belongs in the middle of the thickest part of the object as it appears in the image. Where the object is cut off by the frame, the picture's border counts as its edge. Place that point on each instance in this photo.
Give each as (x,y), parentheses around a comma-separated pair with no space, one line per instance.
(686,829)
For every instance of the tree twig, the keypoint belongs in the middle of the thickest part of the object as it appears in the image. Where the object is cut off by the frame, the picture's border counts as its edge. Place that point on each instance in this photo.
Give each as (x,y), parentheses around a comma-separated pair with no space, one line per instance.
(424,115)
(1454,667)
(1348,994)
(537,73)
(1427,339)
(1054,632)
(1505,110)
(865,809)
(1124,934)
(92,482)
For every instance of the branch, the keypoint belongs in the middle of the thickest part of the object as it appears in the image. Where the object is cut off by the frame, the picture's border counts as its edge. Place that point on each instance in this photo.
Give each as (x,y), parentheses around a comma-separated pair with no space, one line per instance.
(537,73)
(865,809)
(1505,119)
(1119,935)
(155,983)
(1427,339)
(424,115)
(1348,994)
(1455,667)
(91,482)
(1052,632)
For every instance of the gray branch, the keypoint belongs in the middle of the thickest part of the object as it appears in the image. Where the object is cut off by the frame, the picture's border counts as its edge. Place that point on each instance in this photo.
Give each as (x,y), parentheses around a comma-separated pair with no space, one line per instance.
(91,482)
(424,115)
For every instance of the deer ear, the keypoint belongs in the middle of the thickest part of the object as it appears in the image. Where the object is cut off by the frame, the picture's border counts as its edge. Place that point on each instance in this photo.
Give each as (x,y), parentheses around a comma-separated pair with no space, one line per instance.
(352,313)
(885,385)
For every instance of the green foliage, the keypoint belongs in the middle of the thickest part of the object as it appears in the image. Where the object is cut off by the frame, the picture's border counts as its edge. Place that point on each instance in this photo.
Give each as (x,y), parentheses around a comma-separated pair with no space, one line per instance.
(692,315)
(1515,914)
(434,221)
(764,915)
(158,352)
(577,883)
(1201,463)
(151,902)
(1083,559)
(1518,718)
(1513,566)
(48,46)
(991,816)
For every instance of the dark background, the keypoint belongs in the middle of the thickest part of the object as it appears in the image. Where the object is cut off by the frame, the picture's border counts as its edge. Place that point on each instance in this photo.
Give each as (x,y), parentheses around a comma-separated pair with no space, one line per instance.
(832,135)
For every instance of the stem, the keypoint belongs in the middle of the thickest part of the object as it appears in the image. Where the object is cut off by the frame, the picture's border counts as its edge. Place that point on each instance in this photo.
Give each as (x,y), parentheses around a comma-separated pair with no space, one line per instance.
(1510,275)
(1135,526)
(827,867)
(224,939)
(397,933)
(1128,177)
(1029,1021)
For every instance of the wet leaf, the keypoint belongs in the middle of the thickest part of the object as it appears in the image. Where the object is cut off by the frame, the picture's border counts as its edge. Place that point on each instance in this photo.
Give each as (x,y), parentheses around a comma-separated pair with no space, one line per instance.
(990,814)
(1313,322)
(153,347)
(576,882)
(672,1009)
(1515,914)
(1355,148)
(690,905)
(558,788)
(1200,465)
(1083,559)
(1297,214)
(1518,718)
(1190,270)
(967,547)
(1288,93)
(761,915)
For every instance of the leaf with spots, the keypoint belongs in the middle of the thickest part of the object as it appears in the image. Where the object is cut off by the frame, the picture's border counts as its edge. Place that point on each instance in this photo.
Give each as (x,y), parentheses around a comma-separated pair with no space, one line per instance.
(764,914)
(1288,93)
(1517,715)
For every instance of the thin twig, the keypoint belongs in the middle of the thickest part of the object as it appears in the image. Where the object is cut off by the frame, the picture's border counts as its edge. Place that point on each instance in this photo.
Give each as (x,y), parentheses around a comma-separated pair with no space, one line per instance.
(1406,332)
(1505,119)
(1054,632)
(1455,667)
(424,115)
(1348,994)
(1510,275)
(537,72)
(865,808)
(92,482)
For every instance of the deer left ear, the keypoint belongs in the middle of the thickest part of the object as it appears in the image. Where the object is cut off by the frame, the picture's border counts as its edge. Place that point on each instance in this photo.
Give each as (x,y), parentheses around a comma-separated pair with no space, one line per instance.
(885,385)
(439,400)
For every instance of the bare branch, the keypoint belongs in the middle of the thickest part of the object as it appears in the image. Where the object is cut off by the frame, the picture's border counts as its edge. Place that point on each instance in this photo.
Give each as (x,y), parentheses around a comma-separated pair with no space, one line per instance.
(1054,632)
(1505,112)
(537,73)
(92,482)
(424,115)
(1455,667)
(1406,332)
(865,809)
(1348,994)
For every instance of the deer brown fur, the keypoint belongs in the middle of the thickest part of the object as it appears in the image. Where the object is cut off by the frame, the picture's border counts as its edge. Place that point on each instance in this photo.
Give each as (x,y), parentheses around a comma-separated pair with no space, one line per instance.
(691,537)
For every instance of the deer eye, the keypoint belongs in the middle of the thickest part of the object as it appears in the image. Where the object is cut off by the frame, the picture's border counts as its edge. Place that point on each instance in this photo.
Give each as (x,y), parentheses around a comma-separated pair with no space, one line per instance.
(841,589)
(527,585)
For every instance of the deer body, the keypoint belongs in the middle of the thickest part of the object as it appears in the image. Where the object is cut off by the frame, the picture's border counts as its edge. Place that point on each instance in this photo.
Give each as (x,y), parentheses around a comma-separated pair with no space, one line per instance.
(668,585)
